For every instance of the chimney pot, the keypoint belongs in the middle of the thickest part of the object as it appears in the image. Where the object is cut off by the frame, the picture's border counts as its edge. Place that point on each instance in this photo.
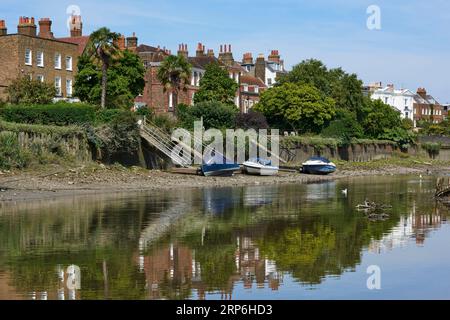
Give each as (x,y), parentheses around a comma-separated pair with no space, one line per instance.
(26,26)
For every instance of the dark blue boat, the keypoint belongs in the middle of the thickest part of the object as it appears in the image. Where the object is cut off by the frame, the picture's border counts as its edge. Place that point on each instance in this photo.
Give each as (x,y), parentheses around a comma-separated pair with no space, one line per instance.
(219,165)
(318,165)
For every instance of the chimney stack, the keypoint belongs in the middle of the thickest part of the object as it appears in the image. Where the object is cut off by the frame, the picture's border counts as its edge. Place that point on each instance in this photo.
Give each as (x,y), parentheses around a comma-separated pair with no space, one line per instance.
(45,28)
(183,50)
(210,53)
(225,55)
(422,92)
(132,42)
(27,26)
(260,68)
(274,56)
(3,29)
(121,42)
(248,58)
(200,50)
(76,27)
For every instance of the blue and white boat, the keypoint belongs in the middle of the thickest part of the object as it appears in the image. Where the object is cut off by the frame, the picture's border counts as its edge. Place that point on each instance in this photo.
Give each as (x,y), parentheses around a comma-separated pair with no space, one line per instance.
(219,165)
(318,165)
(260,167)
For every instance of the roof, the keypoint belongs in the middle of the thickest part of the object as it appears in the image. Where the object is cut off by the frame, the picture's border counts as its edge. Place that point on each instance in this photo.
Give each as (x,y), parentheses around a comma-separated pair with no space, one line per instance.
(201,62)
(251,80)
(425,100)
(392,91)
(80,41)
(150,53)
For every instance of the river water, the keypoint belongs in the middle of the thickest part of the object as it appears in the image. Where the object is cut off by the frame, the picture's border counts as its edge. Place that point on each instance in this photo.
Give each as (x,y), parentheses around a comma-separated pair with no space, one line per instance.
(259,242)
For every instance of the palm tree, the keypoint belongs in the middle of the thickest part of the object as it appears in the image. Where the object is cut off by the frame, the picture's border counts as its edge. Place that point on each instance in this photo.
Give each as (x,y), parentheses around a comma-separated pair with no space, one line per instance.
(174,74)
(103,49)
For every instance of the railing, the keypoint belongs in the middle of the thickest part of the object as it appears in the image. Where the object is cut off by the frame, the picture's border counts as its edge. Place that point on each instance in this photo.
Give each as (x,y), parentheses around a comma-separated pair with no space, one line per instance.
(161,141)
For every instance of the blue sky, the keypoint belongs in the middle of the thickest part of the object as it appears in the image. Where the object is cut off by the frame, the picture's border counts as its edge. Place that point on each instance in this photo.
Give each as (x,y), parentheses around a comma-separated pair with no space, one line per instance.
(411,50)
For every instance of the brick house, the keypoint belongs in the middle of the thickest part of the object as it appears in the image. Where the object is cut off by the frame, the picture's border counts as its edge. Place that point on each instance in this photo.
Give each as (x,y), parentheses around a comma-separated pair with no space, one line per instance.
(165,102)
(251,89)
(266,70)
(427,108)
(39,56)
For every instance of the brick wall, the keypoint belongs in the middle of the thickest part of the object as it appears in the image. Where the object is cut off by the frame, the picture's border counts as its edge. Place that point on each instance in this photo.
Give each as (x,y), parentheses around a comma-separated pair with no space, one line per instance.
(12,60)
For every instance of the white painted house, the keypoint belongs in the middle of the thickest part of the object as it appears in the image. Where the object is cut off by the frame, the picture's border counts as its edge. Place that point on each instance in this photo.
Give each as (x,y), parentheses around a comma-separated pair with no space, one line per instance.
(400,99)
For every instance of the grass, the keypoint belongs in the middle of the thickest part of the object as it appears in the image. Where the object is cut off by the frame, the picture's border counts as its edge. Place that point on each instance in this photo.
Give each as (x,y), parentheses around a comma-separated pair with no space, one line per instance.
(41,129)
(319,142)
(394,161)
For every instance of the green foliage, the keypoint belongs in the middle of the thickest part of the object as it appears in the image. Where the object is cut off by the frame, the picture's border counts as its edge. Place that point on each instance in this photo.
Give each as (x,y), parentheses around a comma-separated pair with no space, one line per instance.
(59,114)
(165,122)
(120,135)
(407,124)
(125,80)
(251,120)
(433,148)
(345,89)
(144,112)
(41,129)
(26,91)
(109,115)
(380,117)
(344,127)
(103,51)
(11,155)
(435,129)
(399,135)
(214,114)
(300,107)
(174,73)
(216,85)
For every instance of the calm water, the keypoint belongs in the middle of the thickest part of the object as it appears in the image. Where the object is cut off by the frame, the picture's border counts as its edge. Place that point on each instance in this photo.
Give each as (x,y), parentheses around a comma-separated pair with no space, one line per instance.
(259,242)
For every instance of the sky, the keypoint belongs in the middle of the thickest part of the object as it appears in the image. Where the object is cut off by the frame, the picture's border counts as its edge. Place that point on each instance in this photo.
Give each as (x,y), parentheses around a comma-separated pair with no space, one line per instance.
(410,50)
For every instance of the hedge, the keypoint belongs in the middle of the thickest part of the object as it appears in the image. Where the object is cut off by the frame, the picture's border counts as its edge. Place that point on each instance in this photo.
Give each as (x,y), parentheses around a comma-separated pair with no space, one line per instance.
(109,115)
(59,114)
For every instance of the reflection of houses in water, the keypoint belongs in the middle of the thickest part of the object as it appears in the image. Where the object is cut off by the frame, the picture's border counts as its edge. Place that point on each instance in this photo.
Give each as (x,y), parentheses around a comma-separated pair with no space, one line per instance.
(414,226)
(175,267)
(254,269)
(255,196)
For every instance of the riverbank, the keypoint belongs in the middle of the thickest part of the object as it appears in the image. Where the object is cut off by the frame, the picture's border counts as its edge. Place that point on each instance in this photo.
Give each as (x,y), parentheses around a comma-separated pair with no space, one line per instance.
(59,181)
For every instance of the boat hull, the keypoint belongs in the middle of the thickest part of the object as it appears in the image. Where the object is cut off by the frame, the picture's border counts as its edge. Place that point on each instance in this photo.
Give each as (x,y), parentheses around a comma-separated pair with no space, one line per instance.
(260,170)
(219,170)
(319,169)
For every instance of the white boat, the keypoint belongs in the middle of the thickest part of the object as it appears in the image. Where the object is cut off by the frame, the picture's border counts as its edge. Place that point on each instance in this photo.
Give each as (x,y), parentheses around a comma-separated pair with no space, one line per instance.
(318,165)
(260,167)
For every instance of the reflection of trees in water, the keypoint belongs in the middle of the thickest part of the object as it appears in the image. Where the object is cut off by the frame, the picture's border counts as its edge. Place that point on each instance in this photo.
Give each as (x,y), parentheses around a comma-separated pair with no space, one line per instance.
(37,237)
(290,230)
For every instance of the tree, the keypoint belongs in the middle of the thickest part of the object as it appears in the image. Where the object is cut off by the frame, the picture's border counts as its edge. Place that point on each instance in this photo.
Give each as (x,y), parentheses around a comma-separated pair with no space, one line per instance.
(303,107)
(102,49)
(26,91)
(214,114)
(380,117)
(251,120)
(216,85)
(174,74)
(344,88)
(125,80)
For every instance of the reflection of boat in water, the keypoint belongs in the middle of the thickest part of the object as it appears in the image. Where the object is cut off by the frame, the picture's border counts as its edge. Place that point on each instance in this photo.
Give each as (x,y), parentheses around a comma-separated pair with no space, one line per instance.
(318,165)
(219,165)
(255,196)
(260,167)
(219,200)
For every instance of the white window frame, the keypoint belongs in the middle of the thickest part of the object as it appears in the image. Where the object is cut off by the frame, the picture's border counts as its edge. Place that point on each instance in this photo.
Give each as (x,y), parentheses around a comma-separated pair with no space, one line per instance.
(256,89)
(58,61)
(69,88)
(69,63)
(58,82)
(245,88)
(40,78)
(40,59)
(28,57)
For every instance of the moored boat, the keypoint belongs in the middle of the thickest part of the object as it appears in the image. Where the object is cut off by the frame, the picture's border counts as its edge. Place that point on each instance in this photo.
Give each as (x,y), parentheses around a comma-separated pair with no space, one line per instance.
(219,166)
(318,165)
(261,167)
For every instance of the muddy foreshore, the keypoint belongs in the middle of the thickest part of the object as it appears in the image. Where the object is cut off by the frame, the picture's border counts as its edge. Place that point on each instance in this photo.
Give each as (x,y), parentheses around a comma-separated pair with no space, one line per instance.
(59,182)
